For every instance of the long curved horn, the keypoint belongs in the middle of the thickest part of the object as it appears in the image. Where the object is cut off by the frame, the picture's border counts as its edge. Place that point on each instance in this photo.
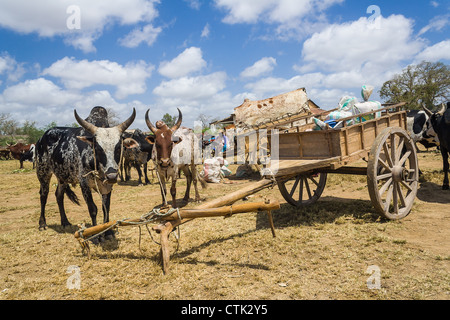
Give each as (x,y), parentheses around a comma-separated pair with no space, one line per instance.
(86,125)
(178,124)
(124,125)
(441,112)
(428,112)
(149,124)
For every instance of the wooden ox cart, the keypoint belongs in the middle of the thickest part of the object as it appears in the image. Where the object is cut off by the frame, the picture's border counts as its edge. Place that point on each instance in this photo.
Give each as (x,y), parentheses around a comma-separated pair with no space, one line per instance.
(305,157)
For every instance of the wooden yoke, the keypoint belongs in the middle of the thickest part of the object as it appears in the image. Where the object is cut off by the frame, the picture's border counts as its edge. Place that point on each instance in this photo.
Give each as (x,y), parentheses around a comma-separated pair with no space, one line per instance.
(167,227)
(214,208)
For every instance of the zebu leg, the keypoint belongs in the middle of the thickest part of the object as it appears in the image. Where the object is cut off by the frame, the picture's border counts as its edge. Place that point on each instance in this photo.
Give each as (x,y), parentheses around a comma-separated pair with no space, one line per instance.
(137,166)
(59,193)
(87,195)
(444,152)
(173,191)
(44,179)
(145,173)
(106,203)
(162,186)
(188,175)
(195,180)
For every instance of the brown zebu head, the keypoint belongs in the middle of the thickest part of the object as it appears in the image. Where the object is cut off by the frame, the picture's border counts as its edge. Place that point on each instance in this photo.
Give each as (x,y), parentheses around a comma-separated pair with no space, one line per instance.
(163,139)
(107,143)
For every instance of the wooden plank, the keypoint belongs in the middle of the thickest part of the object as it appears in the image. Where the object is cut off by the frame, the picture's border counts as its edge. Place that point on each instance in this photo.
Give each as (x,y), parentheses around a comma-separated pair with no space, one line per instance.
(282,168)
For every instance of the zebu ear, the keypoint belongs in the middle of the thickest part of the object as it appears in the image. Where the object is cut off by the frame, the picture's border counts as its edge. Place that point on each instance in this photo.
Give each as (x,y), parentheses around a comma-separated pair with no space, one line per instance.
(150,139)
(130,143)
(88,139)
(176,140)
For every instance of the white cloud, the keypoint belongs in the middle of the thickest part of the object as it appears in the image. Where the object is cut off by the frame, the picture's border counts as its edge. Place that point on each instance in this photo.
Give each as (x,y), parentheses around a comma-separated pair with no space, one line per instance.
(48,18)
(300,16)
(192,88)
(194,96)
(260,67)
(439,51)
(39,92)
(189,61)
(206,31)
(194,4)
(128,79)
(11,68)
(341,58)
(350,46)
(436,24)
(147,34)
(50,102)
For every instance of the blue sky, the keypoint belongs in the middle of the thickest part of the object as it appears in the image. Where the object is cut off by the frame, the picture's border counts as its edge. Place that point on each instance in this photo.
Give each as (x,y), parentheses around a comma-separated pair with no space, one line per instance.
(204,57)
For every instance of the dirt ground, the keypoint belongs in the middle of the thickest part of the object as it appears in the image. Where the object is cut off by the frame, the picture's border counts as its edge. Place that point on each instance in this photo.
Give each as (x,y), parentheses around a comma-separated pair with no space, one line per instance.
(327,251)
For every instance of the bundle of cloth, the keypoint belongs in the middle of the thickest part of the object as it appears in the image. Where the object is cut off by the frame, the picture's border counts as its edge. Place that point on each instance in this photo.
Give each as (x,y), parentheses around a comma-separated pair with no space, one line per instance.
(350,106)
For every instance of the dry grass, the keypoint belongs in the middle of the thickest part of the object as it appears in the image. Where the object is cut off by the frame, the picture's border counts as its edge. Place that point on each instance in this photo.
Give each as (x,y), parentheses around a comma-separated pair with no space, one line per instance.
(322,252)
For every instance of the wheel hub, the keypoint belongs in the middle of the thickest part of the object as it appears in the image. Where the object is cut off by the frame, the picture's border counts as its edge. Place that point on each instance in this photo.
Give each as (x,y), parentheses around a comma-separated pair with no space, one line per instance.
(398,173)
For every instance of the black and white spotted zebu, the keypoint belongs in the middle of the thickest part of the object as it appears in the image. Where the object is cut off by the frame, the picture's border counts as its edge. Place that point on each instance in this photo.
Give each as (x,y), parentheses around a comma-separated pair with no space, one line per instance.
(421,130)
(441,123)
(88,156)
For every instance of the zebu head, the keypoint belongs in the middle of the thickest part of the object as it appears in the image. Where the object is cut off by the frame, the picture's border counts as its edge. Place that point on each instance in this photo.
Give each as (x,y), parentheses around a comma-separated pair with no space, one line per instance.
(432,123)
(107,144)
(164,141)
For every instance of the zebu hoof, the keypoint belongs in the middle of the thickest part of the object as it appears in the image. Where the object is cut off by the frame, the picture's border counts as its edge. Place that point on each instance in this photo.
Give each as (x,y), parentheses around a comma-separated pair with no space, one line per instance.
(445,187)
(43,227)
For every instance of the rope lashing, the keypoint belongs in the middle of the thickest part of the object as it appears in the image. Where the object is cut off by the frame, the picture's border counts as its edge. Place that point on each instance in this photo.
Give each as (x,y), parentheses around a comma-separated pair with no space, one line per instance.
(149,217)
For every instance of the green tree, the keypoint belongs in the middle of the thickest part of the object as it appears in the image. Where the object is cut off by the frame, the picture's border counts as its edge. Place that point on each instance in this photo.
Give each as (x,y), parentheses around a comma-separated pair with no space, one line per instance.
(427,82)
(8,126)
(50,125)
(29,129)
(169,120)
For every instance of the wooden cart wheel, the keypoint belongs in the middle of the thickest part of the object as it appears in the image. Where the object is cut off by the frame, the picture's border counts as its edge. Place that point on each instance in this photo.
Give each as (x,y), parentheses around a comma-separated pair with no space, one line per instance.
(303,189)
(393,173)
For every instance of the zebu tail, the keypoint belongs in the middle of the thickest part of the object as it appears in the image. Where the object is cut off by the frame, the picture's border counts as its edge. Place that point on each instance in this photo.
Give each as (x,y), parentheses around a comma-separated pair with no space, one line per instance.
(72,196)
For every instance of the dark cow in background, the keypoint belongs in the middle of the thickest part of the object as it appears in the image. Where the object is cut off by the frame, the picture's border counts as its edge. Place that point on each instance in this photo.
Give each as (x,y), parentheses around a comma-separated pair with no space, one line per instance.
(18,150)
(88,156)
(420,129)
(441,124)
(136,157)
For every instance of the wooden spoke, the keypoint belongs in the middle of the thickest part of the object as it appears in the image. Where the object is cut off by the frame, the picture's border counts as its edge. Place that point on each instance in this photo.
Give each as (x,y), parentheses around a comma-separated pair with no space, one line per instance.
(385,165)
(399,149)
(384,176)
(295,185)
(405,157)
(386,153)
(385,186)
(309,186)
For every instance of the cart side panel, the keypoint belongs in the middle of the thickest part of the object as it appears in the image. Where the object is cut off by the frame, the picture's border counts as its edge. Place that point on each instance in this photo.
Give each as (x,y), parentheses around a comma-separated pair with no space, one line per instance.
(309,145)
(361,136)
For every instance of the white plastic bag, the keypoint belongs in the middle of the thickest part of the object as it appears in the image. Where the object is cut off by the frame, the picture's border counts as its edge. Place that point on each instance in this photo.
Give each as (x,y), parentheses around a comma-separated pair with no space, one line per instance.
(211,170)
(367,106)
(366,91)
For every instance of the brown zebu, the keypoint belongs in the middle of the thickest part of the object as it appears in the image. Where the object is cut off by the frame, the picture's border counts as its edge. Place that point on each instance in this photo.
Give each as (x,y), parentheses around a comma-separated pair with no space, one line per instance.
(174,151)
